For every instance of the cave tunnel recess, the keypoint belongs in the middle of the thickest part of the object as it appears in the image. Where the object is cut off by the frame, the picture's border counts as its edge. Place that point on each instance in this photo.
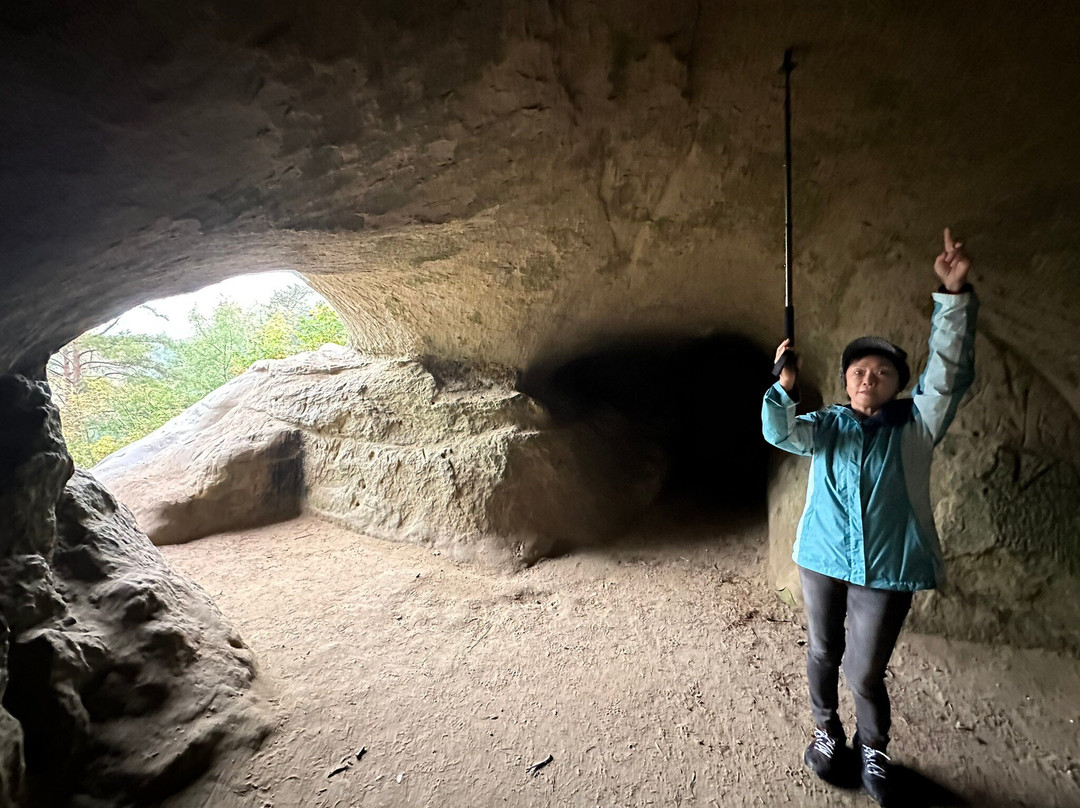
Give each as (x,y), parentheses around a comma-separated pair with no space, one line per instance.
(693,402)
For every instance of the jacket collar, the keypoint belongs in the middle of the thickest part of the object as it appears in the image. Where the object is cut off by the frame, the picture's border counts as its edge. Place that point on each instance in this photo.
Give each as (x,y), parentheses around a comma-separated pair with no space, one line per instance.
(895,413)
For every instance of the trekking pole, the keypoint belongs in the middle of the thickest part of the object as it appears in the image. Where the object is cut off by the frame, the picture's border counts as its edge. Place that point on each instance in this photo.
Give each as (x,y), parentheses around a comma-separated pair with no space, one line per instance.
(788,357)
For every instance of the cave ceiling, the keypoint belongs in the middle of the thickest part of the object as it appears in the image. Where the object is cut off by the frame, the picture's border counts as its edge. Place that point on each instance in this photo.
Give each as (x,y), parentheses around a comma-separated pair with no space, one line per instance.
(511,181)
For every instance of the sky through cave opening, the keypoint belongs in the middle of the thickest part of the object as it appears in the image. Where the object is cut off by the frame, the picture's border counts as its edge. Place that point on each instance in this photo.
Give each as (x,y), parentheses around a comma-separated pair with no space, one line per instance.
(119,382)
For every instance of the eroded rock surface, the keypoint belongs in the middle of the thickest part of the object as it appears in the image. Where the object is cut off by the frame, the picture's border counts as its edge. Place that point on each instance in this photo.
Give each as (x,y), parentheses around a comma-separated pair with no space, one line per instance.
(442,454)
(214,467)
(121,681)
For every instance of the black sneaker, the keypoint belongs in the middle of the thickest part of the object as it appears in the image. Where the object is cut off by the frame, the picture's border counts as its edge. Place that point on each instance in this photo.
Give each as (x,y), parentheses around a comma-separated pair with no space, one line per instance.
(824,753)
(875,775)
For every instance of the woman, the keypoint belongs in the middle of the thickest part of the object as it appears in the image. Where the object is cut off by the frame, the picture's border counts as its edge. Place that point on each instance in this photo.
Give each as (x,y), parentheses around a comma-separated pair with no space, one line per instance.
(866,540)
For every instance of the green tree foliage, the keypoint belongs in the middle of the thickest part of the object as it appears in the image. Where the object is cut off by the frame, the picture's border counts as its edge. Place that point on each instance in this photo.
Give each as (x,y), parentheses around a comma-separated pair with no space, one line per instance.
(113,389)
(319,326)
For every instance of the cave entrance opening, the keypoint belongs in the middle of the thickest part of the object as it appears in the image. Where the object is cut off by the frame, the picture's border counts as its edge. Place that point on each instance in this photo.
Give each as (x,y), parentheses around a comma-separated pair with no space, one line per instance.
(693,403)
(119,382)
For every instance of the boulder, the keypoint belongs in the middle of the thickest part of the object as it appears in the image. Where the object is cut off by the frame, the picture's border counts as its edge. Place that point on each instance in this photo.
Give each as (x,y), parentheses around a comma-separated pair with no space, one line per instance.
(438,453)
(216,466)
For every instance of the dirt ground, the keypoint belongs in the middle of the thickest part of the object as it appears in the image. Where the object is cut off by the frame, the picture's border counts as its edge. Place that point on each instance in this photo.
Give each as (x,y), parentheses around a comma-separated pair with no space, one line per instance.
(660,671)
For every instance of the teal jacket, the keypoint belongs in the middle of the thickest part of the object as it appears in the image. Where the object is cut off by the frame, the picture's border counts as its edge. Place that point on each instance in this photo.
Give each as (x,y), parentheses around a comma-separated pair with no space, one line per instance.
(868,517)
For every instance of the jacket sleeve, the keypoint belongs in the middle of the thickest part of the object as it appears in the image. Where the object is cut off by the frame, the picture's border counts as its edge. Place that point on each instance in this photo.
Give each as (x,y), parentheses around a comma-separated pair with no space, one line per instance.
(950,368)
(781,427)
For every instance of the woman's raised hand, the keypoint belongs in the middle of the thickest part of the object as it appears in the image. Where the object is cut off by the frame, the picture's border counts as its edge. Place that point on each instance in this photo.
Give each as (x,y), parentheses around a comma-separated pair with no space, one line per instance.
(953,264)
(790,371)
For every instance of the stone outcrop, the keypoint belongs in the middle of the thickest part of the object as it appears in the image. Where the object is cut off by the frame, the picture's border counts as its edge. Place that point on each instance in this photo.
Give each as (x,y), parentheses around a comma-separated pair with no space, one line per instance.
(215,467)
(120,680)
(442,454)
(34,466)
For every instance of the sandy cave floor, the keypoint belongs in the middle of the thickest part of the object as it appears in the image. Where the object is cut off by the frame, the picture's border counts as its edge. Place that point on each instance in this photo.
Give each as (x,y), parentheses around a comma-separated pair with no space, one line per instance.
(653,673)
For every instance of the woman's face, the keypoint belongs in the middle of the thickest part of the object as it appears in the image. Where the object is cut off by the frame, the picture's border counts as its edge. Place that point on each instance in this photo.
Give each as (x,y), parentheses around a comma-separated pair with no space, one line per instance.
(871,382)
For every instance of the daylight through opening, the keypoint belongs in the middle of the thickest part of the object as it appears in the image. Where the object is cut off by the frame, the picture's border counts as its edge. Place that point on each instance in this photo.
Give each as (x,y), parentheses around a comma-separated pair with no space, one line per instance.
(119,382)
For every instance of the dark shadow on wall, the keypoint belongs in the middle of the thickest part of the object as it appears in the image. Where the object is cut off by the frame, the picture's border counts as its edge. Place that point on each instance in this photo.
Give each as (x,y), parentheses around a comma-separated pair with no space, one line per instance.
(693,403)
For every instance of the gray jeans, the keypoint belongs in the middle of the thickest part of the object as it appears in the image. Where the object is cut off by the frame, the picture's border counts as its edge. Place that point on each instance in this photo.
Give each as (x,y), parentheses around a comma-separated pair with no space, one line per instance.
(874,618)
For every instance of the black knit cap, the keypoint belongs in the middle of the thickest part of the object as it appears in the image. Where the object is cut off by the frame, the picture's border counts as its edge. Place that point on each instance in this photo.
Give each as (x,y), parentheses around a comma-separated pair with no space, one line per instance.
(876,346)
